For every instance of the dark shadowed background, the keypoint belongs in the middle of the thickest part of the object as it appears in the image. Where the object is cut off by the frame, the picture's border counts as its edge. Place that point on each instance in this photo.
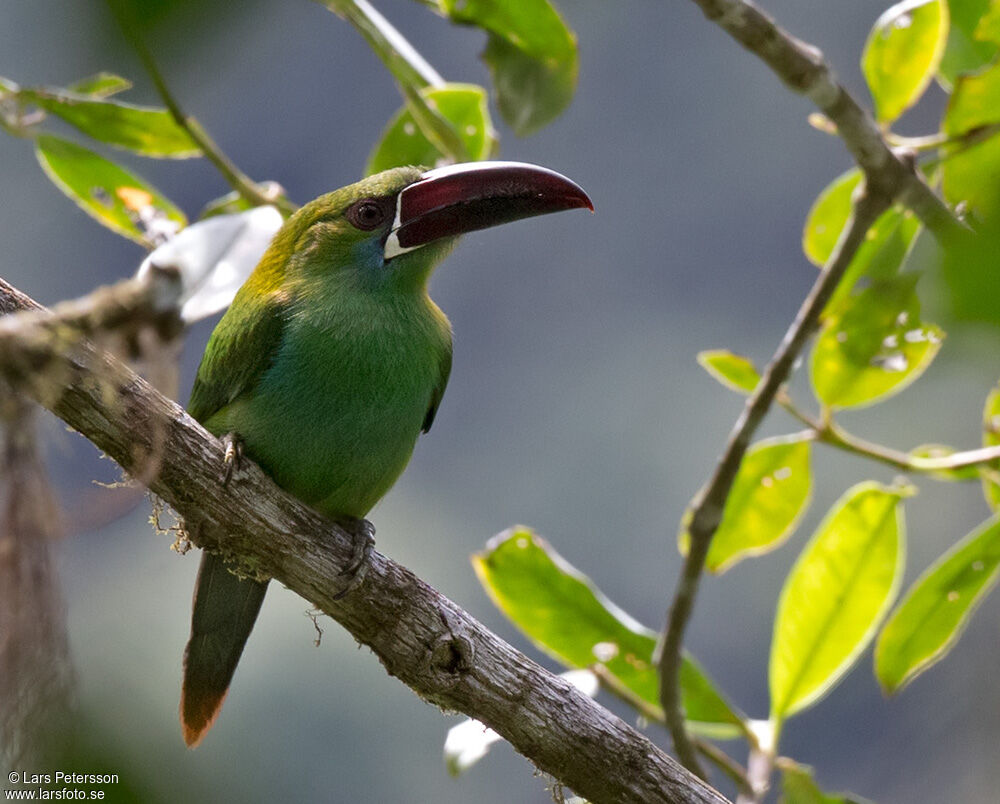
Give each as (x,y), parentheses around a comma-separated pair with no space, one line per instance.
(575,404)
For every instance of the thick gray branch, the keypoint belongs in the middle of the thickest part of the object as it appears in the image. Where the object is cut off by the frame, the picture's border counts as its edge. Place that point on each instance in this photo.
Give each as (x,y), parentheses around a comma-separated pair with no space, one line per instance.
(421,637)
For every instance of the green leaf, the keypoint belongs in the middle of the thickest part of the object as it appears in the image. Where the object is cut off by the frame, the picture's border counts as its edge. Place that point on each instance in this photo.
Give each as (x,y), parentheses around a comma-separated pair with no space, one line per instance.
(875,347)
(969,265)
(733,371)
(988,29)
(902,54)
(886,245)
(828,216)
(531,93)
(531,54)
(936,609)
(836,594)
(145,130)
(435,126)
(882,255)
(964,52)
(463,106)
(768,498)
(101,85)
(991,438)
(969,176)
(107,192)
(799,787)
(563,613)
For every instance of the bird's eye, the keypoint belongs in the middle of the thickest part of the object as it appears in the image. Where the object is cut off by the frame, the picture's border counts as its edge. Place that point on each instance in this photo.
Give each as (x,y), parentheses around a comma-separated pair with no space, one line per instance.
(366,215)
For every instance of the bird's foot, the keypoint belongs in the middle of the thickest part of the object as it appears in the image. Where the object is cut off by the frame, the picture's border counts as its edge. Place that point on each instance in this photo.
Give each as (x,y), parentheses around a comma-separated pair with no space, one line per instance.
(363,537)
(234,455)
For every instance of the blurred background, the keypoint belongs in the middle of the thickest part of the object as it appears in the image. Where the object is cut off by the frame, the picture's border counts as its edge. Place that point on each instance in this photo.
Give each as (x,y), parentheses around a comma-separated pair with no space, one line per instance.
(575,404)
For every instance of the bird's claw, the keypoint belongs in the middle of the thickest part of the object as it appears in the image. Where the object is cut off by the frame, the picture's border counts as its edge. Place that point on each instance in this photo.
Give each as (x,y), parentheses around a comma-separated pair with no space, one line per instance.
(363,537)
(234,455)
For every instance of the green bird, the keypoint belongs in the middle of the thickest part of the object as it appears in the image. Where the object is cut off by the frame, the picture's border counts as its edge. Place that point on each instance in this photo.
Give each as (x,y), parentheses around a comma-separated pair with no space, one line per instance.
(332,359)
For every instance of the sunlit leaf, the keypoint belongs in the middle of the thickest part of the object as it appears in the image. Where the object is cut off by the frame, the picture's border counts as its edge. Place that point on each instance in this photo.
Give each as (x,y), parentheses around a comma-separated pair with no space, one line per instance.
(733,371)
(991,438)
(799,787)
(886,244)
(964,52)
(769,496)
(116,198)
(464,106)
(469,741)
(101,85)
(145,130)
(563,613)
(437,128)
(936,609)
(828,216)
(875,347)
(531,54)
(882,255)
(836,595)
(988,29)
(902,54)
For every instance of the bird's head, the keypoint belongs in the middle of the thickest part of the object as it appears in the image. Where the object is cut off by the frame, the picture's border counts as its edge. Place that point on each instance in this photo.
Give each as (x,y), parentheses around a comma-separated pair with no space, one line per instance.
(392,228)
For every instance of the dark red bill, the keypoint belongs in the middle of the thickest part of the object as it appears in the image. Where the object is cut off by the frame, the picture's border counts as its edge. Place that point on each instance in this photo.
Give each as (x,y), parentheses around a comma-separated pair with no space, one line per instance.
(462,198)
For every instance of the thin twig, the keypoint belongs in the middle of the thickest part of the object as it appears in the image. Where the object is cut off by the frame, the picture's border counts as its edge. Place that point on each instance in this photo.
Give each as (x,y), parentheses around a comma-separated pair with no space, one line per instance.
(708,507)
(828,432)
(235,177)
(733,770)
(931,142)
(725,763)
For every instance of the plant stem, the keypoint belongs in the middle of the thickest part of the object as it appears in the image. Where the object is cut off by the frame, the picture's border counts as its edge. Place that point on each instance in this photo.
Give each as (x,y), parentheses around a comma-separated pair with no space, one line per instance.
(399,56)
(828,432)
(708,506)
(412,72)
(235,177)
(732,769)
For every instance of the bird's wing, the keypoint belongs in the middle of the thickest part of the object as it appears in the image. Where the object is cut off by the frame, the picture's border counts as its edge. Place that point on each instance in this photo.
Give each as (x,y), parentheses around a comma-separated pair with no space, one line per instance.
(438,392)
(240,350)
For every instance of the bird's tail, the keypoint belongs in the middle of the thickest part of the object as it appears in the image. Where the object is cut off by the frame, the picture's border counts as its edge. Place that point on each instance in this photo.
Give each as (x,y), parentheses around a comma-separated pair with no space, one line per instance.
(225,609)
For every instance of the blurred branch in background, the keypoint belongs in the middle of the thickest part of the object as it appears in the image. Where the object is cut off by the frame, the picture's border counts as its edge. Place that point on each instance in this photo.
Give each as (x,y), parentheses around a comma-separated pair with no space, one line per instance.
(424,639)
(36,677)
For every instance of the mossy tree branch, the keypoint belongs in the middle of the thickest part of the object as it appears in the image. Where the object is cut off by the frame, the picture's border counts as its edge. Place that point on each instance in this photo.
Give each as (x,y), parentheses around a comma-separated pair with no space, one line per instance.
(421,637)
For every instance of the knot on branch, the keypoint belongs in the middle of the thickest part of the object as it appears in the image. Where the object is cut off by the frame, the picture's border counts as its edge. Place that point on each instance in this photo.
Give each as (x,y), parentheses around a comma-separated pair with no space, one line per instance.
(450,658)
